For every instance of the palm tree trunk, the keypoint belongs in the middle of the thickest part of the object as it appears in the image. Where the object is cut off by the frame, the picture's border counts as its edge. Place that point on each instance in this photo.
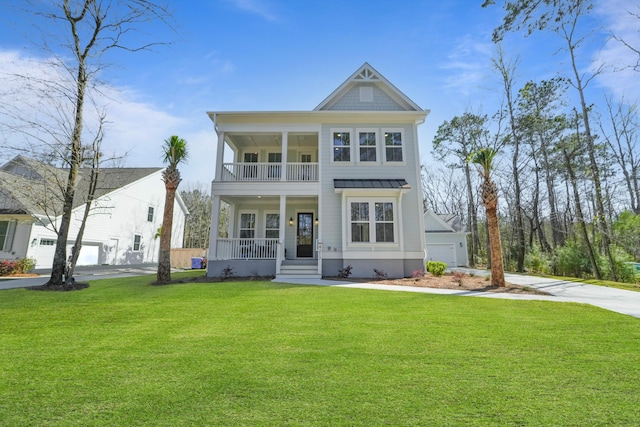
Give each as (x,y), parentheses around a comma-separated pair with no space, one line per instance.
(164,258)
(495,245)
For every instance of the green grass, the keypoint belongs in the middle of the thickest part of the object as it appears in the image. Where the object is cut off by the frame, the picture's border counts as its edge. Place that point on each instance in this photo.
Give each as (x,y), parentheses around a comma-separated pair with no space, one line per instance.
(124,353)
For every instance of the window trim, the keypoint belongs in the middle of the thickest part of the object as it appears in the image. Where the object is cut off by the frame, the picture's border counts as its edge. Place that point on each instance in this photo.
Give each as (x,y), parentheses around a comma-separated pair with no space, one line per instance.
(255,222)
(376,133)
(265,224)
(6,244)
(151,211)
(333,146)
(401,131)
(372,200)
(133,246)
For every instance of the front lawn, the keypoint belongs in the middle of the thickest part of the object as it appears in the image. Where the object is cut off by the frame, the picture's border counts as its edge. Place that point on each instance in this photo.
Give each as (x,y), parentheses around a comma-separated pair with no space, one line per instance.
(126,353)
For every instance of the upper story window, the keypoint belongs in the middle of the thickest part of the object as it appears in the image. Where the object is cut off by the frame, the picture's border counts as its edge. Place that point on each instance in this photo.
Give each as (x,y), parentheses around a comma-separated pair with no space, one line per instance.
(367,145)
(150,214)
(341,146)
(393,146)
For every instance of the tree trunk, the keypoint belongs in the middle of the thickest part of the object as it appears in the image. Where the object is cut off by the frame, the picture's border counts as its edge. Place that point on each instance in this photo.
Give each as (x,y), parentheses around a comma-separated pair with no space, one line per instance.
(59,267)
(495,245)
(473,219)
(580,217)
(164,258)
(595,170)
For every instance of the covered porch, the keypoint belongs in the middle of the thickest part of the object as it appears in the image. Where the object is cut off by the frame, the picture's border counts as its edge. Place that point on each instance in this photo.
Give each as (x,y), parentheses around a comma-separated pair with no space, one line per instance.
(264,235)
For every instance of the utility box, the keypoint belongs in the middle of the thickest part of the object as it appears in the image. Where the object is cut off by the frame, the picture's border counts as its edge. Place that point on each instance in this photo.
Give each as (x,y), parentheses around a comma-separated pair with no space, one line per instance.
(198,263)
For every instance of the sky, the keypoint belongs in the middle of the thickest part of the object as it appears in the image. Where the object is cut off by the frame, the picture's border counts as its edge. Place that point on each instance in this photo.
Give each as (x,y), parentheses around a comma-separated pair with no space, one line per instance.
(272,55)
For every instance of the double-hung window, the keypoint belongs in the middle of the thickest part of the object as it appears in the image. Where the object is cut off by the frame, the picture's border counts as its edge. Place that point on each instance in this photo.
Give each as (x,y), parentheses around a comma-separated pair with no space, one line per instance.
(372,221)
(137,242)
(247,225)
(7,229)
(341,146)
(367,145)
(272,226)
(393,145)
(150,212)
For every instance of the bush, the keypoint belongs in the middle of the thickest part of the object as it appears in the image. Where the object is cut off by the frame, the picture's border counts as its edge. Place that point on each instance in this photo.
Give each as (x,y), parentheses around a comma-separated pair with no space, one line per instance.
(458,277)
(9,267)
(537,261)
(380,274)
(25,265)
(437,268)
(416,274)
(343,273)
(572,260)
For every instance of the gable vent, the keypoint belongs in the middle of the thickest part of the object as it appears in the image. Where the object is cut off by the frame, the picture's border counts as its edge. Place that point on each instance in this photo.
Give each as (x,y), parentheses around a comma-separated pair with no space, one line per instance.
(367,75)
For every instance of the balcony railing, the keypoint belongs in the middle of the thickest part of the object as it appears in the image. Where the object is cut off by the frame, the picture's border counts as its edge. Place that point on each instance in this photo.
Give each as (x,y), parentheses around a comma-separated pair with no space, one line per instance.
(246,248)
(243,172)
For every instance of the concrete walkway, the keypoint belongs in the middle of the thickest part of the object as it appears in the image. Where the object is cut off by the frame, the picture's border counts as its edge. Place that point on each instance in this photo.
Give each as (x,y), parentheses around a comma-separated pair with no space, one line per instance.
(618,300)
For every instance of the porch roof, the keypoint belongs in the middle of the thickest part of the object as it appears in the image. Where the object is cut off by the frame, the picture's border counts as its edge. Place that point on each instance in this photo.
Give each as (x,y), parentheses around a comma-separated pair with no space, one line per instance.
(371,183)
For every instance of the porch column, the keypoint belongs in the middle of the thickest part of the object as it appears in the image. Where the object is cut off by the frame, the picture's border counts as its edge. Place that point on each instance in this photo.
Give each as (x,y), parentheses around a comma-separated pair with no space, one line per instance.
(282,225)
(213,234)
(219,158)
(285,146)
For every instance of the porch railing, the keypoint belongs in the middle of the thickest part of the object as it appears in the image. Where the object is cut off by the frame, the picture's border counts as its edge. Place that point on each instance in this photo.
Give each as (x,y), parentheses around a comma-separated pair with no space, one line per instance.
(269,172)
(246,248)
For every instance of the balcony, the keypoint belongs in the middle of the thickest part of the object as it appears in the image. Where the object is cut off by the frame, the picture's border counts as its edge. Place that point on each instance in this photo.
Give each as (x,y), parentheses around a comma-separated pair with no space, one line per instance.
(264,172)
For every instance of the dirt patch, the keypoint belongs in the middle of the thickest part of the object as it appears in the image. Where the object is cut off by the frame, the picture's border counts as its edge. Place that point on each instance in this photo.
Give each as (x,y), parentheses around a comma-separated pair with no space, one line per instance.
(449,281)
(61,287)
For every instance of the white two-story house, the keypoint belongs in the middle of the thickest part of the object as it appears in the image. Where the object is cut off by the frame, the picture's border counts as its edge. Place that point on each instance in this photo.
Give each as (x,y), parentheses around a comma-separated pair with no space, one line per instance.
(309,193)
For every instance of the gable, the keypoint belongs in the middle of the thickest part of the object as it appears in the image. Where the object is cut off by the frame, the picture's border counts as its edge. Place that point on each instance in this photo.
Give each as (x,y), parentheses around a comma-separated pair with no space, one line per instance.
(433,223)
(367,90)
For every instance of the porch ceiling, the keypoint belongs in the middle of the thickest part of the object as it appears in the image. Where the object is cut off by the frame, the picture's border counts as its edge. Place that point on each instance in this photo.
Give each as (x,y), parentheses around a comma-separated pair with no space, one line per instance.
(265,200)
(249,141)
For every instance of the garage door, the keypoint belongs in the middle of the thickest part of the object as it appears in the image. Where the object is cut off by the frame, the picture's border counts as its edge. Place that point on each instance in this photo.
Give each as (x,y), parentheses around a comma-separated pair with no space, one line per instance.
(444,252)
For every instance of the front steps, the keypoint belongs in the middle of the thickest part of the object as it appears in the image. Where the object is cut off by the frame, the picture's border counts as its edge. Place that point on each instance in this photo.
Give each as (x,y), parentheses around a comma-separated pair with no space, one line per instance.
(299,269)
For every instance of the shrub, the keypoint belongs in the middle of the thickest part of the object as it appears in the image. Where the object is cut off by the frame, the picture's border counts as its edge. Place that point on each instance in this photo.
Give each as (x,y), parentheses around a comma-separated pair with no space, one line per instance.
(8,267)
(227,272)
(437,268)
(25,265)
(343,273)
(537,261)
(380,274)
(417,274)
(572,260)
(458,277)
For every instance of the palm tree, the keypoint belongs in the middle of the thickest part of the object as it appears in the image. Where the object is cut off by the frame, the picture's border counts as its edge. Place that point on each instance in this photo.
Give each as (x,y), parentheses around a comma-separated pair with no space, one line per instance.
(174,153)
(483,159)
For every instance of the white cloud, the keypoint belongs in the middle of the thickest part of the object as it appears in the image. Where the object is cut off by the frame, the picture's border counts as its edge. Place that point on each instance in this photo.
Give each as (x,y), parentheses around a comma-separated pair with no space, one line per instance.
(468,64)
(623,20)
(258,7)
(133,127)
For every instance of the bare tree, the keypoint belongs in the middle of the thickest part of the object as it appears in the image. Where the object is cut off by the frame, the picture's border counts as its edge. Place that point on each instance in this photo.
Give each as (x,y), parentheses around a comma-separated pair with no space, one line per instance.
(562,17)
(85,31)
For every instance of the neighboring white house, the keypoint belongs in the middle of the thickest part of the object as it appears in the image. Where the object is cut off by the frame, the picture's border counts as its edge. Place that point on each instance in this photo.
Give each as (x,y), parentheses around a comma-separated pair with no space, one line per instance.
(314,192)
(445,239)
(121,227)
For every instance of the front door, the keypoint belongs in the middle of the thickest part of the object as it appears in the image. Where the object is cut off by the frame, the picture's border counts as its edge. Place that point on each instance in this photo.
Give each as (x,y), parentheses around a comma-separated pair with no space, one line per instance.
(304,246)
